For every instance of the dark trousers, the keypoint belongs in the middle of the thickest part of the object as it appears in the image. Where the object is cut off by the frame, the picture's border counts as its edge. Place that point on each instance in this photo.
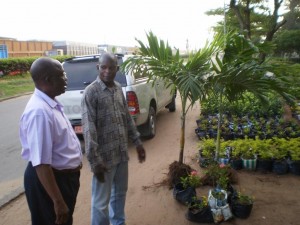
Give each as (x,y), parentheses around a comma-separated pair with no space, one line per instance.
(40,204)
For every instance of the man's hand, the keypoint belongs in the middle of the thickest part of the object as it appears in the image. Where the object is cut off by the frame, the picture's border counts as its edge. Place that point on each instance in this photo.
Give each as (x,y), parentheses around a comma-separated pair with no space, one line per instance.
(47,179)
(62,212)
(141,153)
(99,173)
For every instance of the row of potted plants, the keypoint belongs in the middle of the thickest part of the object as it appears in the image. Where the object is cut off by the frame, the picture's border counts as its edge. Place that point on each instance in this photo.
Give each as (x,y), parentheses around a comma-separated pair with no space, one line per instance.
(240,127)
(279,155)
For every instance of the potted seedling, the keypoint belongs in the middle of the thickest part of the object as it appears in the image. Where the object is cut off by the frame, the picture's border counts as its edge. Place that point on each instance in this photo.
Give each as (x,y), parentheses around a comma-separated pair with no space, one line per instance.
(294,150)
(185,190)
(241,205)
(206,152)
(199,211)
(264,151)
(280,153)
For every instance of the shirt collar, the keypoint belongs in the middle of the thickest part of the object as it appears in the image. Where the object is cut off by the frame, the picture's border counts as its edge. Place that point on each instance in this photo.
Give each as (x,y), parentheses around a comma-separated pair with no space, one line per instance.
(52,103)
(103,85)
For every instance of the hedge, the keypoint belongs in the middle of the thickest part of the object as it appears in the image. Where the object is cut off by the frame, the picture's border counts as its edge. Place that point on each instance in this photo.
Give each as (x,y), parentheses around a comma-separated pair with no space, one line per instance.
(13,66)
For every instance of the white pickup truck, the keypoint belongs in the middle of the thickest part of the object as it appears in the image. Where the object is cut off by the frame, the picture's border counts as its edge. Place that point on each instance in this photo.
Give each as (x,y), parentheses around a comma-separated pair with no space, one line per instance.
(144,99)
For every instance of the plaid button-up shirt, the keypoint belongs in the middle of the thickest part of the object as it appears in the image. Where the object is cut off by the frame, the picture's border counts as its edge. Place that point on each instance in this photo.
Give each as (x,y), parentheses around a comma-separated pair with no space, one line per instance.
(107,125)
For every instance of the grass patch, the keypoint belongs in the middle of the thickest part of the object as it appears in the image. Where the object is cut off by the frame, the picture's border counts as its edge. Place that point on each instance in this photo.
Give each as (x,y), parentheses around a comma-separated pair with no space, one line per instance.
(15,85)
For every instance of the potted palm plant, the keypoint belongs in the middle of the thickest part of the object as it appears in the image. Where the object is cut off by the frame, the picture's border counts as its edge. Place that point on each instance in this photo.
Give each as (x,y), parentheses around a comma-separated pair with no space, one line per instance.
(187,76)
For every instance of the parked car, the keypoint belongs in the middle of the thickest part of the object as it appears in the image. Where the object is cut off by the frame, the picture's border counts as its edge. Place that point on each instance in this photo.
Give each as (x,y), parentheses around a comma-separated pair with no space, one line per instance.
(144,98)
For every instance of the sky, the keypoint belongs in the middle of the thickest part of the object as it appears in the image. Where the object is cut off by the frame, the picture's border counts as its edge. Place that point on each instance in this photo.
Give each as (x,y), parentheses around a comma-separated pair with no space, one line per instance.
(110,22)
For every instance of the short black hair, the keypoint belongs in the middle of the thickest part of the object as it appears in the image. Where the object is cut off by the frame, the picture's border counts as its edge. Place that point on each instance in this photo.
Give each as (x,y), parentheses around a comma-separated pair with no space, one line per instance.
(41,68)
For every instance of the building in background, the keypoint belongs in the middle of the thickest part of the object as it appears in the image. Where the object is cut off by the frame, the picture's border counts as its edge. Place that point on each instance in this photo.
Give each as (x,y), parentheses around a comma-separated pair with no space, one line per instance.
(117,49)
(12,48)
(3,51)
(16,48)
(75,48)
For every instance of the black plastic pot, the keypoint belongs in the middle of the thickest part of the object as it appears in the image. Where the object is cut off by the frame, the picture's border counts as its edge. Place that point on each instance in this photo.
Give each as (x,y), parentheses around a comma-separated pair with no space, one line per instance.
(241,211)
(264,165)
(204,162)
(200,133)
(294,167)
(280,167)
(236,164)
(200,216)
(184,196)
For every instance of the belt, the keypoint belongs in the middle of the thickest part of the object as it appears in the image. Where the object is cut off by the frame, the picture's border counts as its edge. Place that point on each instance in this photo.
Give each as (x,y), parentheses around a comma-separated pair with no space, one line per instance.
(77,169)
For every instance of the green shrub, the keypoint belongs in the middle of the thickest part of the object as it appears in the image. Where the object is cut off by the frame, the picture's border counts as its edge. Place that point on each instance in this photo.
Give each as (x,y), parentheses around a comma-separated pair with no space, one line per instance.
(13,66)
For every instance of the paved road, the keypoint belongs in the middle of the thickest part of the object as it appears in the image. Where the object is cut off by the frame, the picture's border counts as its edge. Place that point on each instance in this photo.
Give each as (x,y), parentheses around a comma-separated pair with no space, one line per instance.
(11,164)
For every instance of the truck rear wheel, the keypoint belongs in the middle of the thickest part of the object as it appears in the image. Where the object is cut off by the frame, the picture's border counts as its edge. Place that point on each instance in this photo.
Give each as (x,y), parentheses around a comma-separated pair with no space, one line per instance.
(150,126)
(172,105)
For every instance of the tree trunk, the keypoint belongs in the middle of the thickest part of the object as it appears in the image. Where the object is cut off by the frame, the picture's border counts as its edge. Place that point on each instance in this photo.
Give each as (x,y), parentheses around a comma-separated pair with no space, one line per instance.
(182,133)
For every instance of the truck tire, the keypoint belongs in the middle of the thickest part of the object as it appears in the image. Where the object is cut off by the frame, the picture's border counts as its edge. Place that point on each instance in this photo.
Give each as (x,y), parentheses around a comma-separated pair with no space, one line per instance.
(172,105)
(150,126)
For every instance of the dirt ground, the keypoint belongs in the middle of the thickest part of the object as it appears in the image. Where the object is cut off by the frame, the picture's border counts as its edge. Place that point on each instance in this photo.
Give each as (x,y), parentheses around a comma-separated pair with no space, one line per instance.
(276,197)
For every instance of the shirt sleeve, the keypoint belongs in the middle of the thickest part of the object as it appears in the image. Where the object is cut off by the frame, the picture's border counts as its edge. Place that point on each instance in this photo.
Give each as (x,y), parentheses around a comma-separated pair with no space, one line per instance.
(88,120)
(39,139)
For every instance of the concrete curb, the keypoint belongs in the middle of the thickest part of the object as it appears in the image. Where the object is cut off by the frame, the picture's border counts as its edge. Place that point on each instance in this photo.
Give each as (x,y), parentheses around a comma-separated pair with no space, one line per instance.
(15,96)
(6,199)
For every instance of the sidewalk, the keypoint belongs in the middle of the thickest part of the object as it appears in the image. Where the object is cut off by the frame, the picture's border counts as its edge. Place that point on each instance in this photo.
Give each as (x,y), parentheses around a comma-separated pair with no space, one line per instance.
(9,190)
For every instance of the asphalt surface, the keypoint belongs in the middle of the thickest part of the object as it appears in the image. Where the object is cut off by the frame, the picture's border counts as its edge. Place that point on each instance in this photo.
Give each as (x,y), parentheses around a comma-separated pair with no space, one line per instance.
(11,164)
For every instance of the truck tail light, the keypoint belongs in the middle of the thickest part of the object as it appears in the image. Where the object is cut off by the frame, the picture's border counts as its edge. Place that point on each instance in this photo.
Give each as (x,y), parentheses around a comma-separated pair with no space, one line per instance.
(133,103)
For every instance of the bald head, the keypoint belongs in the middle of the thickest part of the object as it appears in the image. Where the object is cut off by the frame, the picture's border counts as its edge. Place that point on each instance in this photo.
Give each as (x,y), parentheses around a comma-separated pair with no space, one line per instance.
(42,68)
(49,76)
(108,57)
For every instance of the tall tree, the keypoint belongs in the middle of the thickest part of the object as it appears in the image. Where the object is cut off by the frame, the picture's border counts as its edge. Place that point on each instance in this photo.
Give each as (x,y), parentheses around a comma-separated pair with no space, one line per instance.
(288,38)
(254,18)
(292,16)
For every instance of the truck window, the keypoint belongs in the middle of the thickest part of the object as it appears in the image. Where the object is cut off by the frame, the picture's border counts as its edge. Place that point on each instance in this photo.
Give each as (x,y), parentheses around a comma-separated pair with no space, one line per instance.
(81,73)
